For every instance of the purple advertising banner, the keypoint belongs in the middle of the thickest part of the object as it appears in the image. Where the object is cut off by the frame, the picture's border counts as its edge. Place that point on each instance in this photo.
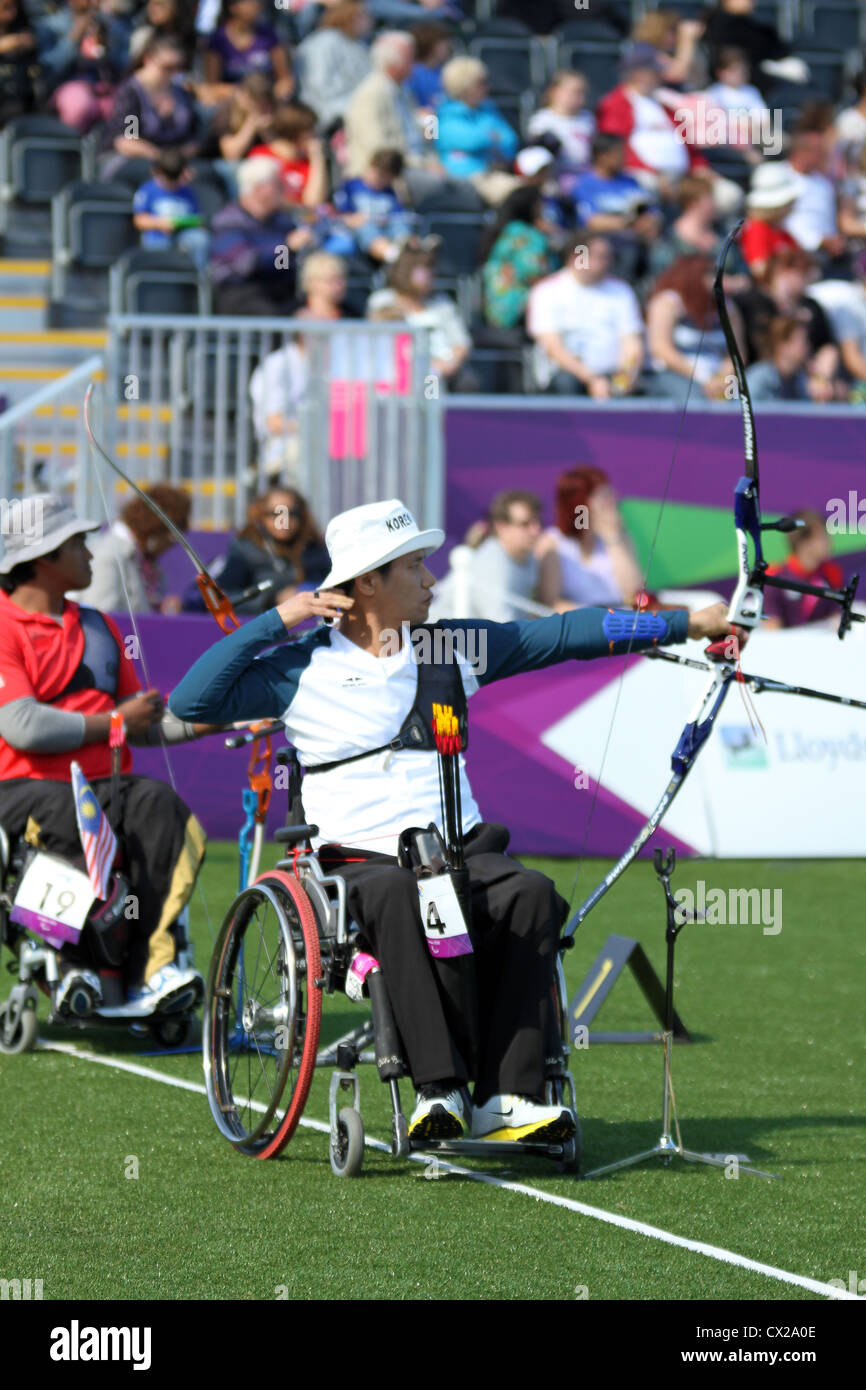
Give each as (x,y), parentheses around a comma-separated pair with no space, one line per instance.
(805,460)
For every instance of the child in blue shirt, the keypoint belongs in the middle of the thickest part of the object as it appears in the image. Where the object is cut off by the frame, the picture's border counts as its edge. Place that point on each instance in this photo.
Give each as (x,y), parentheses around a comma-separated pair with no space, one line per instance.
(166,210)
(371,209)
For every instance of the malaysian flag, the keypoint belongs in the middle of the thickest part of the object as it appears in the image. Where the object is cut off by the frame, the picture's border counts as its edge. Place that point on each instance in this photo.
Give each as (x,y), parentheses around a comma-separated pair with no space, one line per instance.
(97,837)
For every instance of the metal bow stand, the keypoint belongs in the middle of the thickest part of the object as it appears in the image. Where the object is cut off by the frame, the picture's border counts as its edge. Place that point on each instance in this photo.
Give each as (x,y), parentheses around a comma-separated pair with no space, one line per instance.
(669,1147)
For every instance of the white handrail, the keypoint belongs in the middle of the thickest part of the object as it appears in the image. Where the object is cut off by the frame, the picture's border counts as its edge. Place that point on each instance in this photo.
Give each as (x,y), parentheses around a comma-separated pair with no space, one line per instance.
(25,468)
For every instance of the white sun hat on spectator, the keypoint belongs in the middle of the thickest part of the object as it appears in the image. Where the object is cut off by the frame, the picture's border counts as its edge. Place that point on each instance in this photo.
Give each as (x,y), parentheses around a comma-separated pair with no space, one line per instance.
(364,538)
(532,160)
(773,185)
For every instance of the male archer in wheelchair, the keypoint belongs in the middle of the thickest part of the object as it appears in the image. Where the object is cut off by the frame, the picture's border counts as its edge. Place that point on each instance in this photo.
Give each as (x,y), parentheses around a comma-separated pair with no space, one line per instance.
(356,704)
(62,672)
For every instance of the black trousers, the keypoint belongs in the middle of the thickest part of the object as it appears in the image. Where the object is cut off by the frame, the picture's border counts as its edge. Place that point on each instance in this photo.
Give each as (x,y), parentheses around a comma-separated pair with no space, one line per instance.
(517,915)
(163,848)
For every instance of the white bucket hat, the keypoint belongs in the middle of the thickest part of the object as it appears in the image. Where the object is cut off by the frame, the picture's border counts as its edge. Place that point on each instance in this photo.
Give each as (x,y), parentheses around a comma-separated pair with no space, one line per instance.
(773,185)
(31,527)
(531,160)
(366,537)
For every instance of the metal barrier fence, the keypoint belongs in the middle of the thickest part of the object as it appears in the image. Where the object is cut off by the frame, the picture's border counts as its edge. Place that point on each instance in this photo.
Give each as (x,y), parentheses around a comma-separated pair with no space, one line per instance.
(43,444)
(347,412)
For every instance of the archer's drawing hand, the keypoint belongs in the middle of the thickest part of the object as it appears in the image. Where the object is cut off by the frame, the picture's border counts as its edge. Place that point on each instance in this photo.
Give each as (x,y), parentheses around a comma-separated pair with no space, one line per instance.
(140,711)
(324,603)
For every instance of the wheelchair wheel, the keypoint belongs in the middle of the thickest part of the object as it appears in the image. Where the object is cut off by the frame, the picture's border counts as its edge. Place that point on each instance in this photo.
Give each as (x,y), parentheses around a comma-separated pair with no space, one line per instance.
(17,1034)
(347,1151)
(262,1015)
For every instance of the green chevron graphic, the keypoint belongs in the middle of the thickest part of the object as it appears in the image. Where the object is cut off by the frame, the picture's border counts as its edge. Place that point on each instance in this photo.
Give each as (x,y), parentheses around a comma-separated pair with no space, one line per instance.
(696,544)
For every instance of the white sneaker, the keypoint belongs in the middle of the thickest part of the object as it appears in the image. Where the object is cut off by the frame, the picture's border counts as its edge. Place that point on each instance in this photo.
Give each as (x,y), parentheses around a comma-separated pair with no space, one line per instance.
(519,1117)
(439,1115)
(78,994)
(168,991)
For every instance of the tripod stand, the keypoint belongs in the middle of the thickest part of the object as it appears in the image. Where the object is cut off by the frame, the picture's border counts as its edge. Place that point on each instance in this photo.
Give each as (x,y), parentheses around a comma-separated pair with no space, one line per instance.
(669,1147)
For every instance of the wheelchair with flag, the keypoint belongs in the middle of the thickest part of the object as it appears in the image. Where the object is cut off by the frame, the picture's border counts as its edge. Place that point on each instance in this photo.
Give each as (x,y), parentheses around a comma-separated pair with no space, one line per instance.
(53,925)
(285,942)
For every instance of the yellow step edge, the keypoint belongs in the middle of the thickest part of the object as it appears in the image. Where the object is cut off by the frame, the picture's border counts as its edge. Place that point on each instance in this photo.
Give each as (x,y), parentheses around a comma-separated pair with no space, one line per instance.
(12,267)
(142,412)
(145,412)
(40,373)
(208,488)
(23,301)
(33,373)
(55,337)
(49,447)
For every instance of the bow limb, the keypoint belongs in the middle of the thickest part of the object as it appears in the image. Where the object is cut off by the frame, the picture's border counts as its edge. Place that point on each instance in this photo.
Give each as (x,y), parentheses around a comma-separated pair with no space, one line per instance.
(747,602)
(216,601)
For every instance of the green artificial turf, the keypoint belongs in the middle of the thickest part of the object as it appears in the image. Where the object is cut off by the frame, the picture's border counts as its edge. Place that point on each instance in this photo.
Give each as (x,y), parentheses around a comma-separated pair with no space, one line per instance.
(776,1070)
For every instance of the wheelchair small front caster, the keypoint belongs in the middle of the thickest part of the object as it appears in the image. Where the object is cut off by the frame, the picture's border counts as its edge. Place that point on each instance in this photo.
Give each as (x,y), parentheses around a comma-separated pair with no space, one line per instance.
(347,1146)
(171,1031)
(572,1153)
(19,1025)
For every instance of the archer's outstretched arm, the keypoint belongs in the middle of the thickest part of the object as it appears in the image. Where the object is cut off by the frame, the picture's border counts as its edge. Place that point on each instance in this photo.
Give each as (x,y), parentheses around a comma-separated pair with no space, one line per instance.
(509,649)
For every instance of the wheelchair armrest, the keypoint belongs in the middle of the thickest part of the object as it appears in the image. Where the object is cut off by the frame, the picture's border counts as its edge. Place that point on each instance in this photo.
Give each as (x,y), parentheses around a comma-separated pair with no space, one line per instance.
(291,834)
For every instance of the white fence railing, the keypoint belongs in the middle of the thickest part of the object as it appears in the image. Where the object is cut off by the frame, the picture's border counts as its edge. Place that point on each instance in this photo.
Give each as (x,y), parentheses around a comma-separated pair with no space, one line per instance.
(349,411)
(43,443)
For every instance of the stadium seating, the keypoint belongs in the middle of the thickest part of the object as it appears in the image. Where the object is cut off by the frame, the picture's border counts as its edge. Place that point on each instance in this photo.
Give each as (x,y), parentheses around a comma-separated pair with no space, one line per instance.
(513,64)
(458,195)
(599,62)
(91,225)
(38,157)
(516,109)
(586,31)
(828,72)
(43,163)
(152,281)
(461,234)
(834,25)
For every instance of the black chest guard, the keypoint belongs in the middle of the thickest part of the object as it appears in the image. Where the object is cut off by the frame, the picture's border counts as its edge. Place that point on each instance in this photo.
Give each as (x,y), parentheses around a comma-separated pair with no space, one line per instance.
(439,683)
(99,667)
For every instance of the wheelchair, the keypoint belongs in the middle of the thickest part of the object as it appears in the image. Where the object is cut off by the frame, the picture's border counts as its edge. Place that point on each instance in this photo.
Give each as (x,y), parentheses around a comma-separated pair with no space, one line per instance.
(44,942)
(287,940)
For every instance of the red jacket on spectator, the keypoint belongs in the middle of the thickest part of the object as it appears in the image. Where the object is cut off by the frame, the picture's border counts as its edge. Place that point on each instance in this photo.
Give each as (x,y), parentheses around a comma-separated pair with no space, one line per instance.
(617,115)
(761,240)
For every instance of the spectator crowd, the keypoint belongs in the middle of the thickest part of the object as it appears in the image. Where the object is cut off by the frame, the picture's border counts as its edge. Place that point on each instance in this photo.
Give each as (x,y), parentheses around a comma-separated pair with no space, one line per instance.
(576,223)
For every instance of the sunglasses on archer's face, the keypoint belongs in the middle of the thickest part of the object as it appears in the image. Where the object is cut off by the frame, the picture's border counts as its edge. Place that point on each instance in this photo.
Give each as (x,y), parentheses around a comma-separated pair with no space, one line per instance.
(279,512)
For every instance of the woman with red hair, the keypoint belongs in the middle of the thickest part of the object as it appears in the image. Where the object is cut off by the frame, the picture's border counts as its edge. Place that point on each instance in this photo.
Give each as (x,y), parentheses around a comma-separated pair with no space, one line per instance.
(587,557)
(684,334)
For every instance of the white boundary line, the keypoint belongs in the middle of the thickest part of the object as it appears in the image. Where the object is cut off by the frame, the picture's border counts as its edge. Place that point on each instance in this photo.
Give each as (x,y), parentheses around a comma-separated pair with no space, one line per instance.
(626,1223)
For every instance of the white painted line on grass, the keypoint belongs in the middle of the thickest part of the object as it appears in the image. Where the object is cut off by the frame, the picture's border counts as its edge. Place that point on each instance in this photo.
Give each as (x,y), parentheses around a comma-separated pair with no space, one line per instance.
(626,1223)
